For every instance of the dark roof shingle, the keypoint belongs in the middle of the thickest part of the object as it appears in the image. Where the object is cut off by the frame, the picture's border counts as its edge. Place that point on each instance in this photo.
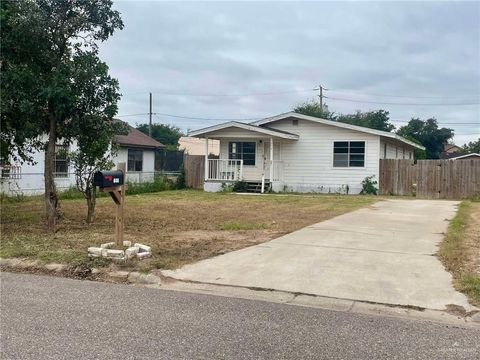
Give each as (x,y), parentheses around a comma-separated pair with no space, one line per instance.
(137,139)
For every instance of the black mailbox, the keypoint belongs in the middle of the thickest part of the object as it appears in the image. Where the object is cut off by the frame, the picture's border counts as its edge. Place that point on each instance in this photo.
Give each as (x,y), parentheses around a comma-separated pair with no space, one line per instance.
(105,179)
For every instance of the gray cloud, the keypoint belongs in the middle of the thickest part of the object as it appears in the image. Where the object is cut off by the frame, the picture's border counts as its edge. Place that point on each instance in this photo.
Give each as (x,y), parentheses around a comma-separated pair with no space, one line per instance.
(354,48)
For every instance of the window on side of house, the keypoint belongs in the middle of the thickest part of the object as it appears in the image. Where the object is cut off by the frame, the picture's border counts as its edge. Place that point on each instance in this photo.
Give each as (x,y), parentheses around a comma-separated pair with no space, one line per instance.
(245,151)
(61,161)
(135,160)
(385,150)
(349,154)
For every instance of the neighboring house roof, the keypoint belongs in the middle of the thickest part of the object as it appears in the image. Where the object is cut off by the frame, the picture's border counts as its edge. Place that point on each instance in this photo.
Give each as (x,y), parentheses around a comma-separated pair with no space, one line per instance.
(250,127)
(136,138)
(337,124)
(451,148)
(465,156)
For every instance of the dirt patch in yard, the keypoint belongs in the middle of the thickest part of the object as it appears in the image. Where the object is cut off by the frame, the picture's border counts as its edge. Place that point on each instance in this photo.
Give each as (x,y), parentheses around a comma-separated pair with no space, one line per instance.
(181,226)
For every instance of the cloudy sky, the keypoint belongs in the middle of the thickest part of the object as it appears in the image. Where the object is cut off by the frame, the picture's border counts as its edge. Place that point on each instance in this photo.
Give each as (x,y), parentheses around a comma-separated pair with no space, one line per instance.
(206,62)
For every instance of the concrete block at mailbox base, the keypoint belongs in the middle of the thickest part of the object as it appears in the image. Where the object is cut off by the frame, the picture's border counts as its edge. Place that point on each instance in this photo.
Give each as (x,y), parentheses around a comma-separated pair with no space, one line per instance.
(131,252)
(143,248)
(115,253)
(108,245)
(144,255)
(95,250)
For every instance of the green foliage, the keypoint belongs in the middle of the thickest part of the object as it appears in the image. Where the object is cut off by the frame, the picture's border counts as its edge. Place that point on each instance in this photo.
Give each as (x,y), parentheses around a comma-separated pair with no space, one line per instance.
(427,133)
(180,182)
(472,147)
(312,108)
(369,186)
(226,188)
(378,120)
(241,225)
(240,186)
(166,134)
(160,183)
(52,79)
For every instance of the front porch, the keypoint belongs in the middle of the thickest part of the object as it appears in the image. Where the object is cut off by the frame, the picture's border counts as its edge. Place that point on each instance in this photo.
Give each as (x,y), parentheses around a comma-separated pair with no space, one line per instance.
(247,153)
(226,171)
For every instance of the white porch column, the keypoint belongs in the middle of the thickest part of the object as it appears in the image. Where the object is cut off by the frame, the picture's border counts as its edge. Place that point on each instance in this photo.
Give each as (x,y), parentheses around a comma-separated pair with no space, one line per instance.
(206,158)
(271,161)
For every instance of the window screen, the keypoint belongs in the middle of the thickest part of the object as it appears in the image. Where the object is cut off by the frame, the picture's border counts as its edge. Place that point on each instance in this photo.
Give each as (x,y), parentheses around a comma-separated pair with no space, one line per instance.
(135,160)
(61,161)
(242,150)
(349,154)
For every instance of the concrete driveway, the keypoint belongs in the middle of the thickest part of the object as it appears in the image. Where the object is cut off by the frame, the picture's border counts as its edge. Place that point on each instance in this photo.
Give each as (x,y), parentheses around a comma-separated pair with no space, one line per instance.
(383,254)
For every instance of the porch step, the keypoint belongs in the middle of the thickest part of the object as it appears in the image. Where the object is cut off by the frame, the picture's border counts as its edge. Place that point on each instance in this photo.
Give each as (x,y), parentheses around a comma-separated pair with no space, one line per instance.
(256,186)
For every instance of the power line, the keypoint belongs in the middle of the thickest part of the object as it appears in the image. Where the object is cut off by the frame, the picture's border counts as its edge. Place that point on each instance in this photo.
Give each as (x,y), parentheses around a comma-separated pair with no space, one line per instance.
(208,119)
(234,95)
(404,96)
(397,103)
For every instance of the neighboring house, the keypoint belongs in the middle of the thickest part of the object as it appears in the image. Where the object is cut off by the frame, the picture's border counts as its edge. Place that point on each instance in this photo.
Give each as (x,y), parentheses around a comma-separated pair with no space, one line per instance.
(295,152)
(450,150)
(196,146)
(471,156)
(136,149)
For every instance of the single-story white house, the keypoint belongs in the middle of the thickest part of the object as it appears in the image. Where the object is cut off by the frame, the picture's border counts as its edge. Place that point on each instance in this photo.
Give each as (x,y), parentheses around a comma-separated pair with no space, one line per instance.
(470,156)
(300,153)
(136,149)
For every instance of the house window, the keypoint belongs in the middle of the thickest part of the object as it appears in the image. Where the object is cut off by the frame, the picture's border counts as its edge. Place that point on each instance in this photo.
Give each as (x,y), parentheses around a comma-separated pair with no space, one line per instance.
(135,160)
(349,154)
(242,150)
(385,150)
(61,161)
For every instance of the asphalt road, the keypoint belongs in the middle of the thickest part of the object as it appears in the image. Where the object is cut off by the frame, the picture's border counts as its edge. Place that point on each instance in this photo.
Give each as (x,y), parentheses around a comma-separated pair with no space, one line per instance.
(57,318)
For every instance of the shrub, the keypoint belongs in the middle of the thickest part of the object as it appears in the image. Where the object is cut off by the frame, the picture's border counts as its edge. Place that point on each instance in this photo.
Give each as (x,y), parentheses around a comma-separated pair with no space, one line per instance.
(160,183)
(369,186)
(240,186)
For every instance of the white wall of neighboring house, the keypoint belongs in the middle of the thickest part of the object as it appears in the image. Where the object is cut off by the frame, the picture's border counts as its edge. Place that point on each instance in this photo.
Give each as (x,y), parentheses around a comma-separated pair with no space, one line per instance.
(196,146)
(148,169)
(391,150)
(31,178)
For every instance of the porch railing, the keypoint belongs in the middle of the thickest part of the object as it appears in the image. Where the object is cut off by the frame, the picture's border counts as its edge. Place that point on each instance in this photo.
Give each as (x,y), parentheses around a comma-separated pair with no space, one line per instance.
(10,172)
(275,170)
(225,169)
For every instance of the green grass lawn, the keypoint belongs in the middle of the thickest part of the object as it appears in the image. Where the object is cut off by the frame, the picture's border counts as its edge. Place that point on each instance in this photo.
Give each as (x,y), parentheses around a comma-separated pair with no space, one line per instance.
(460,250)
(182,226)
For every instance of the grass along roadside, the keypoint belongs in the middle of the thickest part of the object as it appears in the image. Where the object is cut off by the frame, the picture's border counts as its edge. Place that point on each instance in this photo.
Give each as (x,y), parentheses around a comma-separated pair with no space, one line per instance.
(182,226)
(460,250)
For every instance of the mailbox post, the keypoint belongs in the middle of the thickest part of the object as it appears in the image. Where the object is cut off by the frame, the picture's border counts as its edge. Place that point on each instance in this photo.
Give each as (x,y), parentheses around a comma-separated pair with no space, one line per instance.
(113,182)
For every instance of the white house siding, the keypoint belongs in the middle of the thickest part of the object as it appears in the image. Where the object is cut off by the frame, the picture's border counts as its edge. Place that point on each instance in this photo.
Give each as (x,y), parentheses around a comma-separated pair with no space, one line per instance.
(308,162)
(395,150)
(31,181)
(148,171)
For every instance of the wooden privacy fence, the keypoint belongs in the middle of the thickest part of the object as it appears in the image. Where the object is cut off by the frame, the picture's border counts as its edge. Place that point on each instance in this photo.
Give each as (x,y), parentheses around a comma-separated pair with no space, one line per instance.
(194,166)
(438,179)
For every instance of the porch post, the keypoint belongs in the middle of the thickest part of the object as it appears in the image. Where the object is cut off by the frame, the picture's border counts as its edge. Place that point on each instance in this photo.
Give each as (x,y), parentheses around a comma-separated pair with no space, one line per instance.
(271,161)
(206,158)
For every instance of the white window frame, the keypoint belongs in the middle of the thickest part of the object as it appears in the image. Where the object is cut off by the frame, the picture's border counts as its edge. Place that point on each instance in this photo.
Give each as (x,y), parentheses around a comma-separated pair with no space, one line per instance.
(61,175)
(349,167)
(243,141)
(143,160)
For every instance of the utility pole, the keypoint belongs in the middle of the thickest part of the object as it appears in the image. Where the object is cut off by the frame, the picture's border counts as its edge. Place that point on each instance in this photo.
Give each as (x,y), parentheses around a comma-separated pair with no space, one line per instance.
(150,118)
(320,96)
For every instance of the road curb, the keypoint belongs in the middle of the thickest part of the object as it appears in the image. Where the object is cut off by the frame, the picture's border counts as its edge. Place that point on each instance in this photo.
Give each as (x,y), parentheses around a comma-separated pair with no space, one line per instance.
(79,272)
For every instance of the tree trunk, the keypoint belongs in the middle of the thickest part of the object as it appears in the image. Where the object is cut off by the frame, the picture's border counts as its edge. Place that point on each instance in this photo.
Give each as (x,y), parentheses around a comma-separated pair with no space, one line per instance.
(90,195)
(51,199)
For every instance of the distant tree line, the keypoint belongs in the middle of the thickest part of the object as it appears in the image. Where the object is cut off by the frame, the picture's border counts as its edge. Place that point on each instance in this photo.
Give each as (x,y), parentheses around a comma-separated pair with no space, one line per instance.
(424,132)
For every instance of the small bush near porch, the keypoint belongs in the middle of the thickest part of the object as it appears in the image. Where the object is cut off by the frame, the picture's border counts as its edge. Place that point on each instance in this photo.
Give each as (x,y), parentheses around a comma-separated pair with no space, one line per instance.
(181,226)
